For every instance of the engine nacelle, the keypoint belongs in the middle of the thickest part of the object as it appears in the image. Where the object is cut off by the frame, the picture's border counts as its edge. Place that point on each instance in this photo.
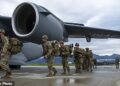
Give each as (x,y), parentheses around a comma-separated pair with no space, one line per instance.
(32,51)
(30,22)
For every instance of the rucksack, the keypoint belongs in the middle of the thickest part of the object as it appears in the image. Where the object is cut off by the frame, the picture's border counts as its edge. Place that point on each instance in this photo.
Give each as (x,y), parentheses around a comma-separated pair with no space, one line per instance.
(15,45)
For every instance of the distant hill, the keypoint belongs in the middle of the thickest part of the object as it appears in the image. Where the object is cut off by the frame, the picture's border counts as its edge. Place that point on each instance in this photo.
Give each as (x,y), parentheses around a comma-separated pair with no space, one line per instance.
(57,60)
(114,56)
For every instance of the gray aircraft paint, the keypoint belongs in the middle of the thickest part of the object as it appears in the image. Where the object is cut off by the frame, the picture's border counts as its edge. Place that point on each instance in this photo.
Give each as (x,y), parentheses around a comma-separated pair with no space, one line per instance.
(29,52)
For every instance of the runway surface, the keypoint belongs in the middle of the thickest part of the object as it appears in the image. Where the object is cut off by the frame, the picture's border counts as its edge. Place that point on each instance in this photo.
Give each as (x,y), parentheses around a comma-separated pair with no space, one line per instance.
(36,76)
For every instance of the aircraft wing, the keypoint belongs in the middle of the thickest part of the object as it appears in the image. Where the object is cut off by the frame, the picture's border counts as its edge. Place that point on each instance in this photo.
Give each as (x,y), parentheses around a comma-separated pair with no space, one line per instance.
(81,31)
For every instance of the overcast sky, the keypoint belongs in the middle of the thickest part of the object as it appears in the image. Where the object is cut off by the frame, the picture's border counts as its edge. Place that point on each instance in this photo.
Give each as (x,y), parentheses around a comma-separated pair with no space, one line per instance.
(95,13)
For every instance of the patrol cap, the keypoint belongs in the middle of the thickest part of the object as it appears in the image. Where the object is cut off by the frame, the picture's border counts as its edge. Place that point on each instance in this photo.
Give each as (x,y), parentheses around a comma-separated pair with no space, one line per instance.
(2,31)
(44,37)
(76,44)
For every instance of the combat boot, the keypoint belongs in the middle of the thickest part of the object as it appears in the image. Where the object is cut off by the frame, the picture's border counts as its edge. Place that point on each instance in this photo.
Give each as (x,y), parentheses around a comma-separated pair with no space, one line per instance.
(91,70)
(68,69)
(49,74)
(7,76)
(55,71)
(64,71)
(77,70)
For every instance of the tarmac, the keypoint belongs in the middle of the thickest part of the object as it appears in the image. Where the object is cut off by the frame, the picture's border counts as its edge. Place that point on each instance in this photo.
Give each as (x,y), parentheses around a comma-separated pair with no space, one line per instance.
(36,76)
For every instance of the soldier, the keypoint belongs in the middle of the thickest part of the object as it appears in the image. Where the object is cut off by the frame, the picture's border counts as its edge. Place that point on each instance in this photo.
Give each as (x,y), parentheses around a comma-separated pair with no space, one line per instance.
(56,48)
(88,60)
(64,53)
(78,58)
(87,55)
(91,63)
(49,55)
(95,63)
(83,59)
(70,50)
(117,63)
(4,54)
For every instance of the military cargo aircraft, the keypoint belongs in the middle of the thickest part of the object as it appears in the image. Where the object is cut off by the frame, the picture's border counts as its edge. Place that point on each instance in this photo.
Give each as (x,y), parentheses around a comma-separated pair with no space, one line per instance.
(30,21)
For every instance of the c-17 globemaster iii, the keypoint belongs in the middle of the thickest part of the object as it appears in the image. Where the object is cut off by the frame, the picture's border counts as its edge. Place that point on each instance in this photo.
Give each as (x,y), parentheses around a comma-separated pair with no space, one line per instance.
(30,21)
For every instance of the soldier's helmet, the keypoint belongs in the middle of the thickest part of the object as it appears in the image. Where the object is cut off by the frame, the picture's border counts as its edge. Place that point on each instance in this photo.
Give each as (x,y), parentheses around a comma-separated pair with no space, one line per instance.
(87,48)
(76,44)
(56,41)
(61,42)
(44,37)
(2,31)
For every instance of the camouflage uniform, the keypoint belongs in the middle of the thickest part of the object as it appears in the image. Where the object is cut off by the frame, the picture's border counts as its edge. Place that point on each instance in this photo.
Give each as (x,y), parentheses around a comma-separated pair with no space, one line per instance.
(88,60)
(49,55)
(56,49)
(70,50)
(84,64)
(91,61)
(5,56)
(64,52)
(78,59)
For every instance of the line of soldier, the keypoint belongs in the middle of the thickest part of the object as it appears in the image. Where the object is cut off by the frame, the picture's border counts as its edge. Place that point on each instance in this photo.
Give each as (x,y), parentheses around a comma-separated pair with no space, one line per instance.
(12,46)
(83,58)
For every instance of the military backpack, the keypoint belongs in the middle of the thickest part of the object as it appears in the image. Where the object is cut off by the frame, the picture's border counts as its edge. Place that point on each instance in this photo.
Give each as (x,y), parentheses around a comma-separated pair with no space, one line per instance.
(15,45)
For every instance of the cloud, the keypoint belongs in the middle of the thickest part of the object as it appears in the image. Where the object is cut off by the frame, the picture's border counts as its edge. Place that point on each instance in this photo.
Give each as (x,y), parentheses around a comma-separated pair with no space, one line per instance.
(96,13)
(107,17)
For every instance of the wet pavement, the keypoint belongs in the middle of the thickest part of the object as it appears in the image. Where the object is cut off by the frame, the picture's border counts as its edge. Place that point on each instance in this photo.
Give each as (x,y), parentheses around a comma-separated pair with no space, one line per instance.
(36,76)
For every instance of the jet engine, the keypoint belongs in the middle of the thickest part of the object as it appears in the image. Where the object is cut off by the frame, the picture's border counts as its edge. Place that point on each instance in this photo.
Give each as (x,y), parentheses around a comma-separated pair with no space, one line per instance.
(30,22)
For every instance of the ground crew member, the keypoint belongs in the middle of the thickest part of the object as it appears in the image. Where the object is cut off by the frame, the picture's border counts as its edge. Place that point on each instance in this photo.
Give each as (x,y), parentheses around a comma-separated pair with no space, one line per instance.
(4,54)
(117,63)
(95,63)
(64,53)
(49,55)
